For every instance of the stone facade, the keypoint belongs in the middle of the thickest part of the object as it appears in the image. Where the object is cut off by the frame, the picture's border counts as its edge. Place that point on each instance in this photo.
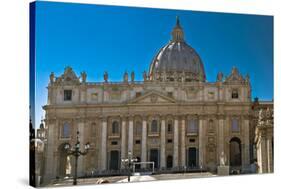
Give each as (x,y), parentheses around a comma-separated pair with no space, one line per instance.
(264,138)
(175,119)
(95,107)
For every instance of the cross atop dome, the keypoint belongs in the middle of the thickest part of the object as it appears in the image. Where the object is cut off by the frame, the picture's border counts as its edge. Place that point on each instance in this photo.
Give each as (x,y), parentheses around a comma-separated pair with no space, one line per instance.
(177,33)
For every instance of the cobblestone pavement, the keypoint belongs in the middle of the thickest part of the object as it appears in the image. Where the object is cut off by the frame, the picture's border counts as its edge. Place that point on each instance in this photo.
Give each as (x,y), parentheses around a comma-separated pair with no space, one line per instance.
(137,178)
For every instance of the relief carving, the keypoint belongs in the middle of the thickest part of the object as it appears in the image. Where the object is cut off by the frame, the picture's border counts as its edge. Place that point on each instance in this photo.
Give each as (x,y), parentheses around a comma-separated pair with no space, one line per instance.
(153,98)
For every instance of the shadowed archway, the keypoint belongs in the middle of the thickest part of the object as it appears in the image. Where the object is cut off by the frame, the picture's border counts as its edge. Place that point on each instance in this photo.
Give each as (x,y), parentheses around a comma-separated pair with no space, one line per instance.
(64,162)
(235,152)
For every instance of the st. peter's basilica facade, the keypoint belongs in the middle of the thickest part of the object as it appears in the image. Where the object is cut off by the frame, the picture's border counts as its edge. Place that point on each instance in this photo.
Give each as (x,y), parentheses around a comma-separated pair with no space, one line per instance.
(173,117)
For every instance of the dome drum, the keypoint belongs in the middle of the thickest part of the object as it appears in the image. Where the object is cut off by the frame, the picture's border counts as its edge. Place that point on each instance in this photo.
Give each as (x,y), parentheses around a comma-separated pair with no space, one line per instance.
(174,75)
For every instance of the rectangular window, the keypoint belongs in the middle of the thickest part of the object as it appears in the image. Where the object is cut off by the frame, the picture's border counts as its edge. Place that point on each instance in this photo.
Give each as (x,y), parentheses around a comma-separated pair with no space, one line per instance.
(154,126)
(138,142)
(192,140)
(192,126)
(65,133)
(169,141)
(138,129)
(235,125)
(138,94)
(115,127)
(234,94)
(114,143)
(170,128)
(67,95)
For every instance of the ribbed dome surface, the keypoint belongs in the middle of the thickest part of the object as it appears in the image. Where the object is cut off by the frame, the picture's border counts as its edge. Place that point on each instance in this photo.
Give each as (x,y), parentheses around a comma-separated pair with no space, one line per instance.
(176,58)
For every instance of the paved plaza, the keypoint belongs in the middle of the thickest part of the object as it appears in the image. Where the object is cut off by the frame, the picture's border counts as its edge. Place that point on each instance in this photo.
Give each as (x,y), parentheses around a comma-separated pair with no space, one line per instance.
(135,178)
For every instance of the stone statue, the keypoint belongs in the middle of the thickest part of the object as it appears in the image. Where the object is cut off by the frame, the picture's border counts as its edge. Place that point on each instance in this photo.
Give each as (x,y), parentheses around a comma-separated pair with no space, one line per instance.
(132,76)
(261,117)
(52,77)
(222,159)
(105,77)
(249,92)
(182,76)
(247,78)
(68,166)
(144,76)
(220,76)
(234,71)
(84,76)
(175,75)
(125,77)
(269,116)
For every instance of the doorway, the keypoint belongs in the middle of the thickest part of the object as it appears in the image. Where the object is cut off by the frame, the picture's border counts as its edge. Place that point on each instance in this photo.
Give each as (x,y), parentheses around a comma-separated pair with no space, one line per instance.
(169,162)
(154,156)
(235,152)
(192,157)
(114,160)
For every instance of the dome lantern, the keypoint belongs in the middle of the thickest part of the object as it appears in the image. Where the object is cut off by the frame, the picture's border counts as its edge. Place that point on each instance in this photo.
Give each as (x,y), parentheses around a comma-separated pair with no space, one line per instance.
(177,33)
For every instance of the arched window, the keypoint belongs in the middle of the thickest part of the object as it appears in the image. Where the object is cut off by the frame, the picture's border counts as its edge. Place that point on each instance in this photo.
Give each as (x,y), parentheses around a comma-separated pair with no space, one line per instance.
(235,125)
(211,125)
(154,126)
(138,128)
(192,126)
(65,131)
(115,127)
(170,126)
(234,94)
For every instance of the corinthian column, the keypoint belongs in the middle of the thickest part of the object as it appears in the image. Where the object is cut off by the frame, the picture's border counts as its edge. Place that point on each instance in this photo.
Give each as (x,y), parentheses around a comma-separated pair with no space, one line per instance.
(143,141)
(176,143)
(269,155)
(103,144)
(221,137)
(183,142)
(130,135)
(246,158)
(123,139)
(163,144)
(201,141)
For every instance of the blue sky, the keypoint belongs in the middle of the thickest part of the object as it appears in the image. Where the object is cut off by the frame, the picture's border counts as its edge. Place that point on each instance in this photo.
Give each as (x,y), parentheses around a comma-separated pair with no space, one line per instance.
(116,39)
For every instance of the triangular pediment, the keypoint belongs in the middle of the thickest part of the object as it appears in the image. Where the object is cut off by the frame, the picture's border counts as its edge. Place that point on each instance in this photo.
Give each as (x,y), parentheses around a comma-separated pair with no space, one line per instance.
(152,97)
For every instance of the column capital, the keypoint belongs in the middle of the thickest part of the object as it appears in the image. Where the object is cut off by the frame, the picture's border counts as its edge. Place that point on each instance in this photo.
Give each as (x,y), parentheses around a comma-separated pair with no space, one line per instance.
(131,117)
(176,116)
(221,116)
(124,117)
(182,116)
(80,119)
(202,117)
(163,117)
(103,118)
(246,116)
(144,117)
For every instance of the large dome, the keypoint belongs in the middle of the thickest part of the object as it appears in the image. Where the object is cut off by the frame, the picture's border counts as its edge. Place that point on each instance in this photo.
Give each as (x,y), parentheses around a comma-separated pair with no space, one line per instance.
(177,61)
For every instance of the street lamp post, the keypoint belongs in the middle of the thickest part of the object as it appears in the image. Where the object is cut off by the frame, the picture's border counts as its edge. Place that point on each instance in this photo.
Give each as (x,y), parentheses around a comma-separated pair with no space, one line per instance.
(129,162)
(76,152)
